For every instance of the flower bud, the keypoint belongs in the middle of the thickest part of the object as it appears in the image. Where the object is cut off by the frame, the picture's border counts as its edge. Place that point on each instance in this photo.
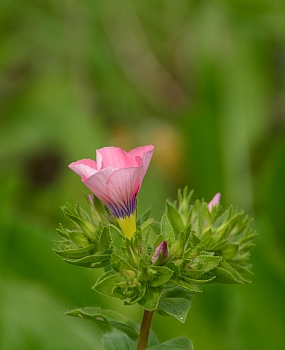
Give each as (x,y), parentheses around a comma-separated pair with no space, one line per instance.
(160,254)
(214,201)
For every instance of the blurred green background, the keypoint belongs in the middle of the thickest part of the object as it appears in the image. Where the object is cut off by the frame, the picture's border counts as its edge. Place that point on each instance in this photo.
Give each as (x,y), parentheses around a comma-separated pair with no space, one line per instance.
(204,81)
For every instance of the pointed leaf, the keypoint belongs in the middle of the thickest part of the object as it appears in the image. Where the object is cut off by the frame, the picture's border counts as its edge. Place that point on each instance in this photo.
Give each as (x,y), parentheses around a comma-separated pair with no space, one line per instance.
(118,240)
(161,276)
(93,261)
(151,298)
(166,229)
(174,217)
(177,307)
(109,317)
(76,253)
(107,282)
(116,341)
(181,343)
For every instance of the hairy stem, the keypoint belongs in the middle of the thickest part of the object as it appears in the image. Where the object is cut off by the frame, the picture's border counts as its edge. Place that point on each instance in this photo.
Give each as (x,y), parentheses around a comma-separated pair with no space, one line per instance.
(145,329)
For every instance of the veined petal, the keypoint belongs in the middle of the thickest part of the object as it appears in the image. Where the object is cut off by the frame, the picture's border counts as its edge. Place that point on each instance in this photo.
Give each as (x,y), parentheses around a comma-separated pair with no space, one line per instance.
(84,168)
(97,183)
(141,151)
(114,157)
(146,160)
(123,186)
(117,176)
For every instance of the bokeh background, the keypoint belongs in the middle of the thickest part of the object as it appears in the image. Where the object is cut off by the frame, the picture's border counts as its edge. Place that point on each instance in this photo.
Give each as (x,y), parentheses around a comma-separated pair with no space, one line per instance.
(204,81)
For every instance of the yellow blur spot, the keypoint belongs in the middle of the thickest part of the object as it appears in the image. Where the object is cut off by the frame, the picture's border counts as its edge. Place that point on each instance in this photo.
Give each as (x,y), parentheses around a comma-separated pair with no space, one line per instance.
(128,225)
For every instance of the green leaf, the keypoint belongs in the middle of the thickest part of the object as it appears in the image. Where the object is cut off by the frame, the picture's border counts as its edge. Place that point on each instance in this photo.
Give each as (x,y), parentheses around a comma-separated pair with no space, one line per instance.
(107,282)
(225,273)
(93,261)
(162,275)
(109,317)
(181,343)
(120,264)
(104,241)
(174,217)
(151,298)
(207,262)
(166,229)
(176,302)
(176,307)
(75,253)
(116,341)
(118,240)
(146,224)
(230,251)
(144,217)
(79,239)
(189,286)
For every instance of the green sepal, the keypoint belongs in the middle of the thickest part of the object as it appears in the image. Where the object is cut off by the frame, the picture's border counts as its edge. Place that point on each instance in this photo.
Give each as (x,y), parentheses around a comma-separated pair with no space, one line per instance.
(104,240)
(225,273)
(78,217)
(108,317)
(176,301)
(167,230)
(230,251)
(118,240)
(144,217)
(174,217)
(146,224)
(98,210)
(79,239)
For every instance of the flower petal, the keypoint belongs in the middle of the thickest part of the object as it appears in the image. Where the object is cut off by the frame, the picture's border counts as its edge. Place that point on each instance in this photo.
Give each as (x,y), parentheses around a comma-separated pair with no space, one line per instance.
(97,183)
(84,168)
(114,157)
(123,186)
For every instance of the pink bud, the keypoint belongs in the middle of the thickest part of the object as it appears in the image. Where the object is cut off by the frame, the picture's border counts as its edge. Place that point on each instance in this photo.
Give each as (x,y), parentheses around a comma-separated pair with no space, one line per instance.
(214,201)
(162,251)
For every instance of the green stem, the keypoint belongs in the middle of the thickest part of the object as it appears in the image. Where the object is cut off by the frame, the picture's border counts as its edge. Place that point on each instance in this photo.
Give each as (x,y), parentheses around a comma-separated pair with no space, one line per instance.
(145,329)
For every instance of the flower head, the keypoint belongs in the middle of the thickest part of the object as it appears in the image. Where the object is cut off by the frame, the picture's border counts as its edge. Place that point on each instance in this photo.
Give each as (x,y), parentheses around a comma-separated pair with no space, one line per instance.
(116,179)
(214,201)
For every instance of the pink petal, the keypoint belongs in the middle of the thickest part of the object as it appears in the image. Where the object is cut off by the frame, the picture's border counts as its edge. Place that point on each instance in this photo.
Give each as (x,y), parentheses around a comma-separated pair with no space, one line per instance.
(114,157)
(146,160)
(140,152)
(84,168)
(97,183)
(123,186)
(116,177)
(214,201)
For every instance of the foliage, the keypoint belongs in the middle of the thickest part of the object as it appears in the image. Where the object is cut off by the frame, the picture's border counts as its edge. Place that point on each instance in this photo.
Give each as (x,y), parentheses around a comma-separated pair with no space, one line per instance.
(193,245)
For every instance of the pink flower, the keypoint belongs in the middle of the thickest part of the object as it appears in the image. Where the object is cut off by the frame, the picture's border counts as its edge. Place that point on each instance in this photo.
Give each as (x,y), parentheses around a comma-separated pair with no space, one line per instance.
(214,201)
(116,177)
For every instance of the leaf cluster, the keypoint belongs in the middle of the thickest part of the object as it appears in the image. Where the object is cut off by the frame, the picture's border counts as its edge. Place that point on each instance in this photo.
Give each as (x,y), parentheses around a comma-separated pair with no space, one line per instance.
(165,263)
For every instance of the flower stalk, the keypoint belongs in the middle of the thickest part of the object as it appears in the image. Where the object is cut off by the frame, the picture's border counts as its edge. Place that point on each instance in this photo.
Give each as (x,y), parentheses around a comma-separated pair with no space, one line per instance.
(145,329)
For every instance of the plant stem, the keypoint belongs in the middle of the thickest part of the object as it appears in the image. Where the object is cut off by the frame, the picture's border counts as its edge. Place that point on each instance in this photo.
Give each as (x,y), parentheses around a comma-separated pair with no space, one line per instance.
(145,329)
